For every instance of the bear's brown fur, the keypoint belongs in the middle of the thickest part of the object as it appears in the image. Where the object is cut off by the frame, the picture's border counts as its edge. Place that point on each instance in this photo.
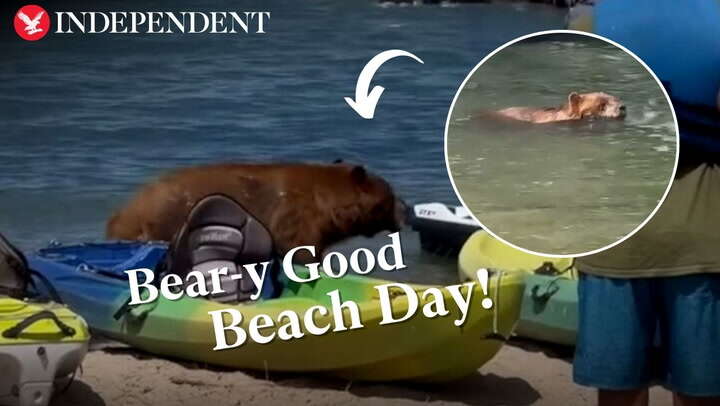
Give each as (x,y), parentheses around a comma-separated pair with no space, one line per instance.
(301,204)
(578,106)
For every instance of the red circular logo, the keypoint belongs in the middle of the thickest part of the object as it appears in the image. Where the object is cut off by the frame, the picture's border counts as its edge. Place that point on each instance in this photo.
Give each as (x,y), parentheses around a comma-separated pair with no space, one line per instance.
(32,22)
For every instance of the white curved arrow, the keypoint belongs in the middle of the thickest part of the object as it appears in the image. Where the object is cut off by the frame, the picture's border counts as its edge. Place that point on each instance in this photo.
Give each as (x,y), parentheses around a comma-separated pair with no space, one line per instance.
(364,103)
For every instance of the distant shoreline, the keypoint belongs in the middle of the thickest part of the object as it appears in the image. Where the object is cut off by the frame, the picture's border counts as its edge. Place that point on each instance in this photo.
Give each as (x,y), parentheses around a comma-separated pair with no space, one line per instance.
(556,3)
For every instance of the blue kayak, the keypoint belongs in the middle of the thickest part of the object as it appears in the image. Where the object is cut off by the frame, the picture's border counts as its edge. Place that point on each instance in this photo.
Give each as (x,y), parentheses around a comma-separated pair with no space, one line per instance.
(86,275)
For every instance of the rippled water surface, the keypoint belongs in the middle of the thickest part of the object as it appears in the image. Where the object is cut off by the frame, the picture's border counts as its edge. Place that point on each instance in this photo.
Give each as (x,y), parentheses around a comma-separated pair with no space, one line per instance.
(569,187)
(85,120)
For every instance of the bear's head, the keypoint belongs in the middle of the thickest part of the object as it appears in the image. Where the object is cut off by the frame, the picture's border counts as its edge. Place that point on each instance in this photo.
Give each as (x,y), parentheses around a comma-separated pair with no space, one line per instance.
(361,203)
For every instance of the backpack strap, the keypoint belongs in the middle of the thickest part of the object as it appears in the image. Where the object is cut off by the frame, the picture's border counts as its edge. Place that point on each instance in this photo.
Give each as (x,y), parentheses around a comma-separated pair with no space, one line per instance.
(14,271)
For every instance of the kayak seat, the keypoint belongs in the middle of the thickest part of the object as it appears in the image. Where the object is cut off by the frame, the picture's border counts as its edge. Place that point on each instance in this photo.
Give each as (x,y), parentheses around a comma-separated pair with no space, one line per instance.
(220,233)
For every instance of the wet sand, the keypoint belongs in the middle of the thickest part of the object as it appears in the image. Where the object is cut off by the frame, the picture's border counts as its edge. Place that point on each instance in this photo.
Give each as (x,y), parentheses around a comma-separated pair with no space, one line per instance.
(523,373)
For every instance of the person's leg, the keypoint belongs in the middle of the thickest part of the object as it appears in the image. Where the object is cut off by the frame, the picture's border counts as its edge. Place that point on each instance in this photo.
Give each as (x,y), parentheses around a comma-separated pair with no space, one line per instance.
(691,332)
(616,331)
(623,398)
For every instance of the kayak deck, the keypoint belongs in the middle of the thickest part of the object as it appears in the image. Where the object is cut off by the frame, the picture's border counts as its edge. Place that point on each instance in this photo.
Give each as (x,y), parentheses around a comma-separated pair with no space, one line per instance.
(89,279)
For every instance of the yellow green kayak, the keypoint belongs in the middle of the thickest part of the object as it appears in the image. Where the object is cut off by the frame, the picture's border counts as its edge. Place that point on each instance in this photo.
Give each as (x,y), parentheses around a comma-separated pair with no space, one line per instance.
(40,343)
(90,279)
(549,308)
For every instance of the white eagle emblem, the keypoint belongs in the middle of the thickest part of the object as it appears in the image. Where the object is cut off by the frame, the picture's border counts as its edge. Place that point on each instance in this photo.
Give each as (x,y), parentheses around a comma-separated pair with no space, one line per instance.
(31,26)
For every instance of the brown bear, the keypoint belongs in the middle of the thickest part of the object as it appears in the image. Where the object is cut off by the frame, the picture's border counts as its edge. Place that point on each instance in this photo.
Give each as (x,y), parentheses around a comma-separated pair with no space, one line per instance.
(300,204)
(578,106)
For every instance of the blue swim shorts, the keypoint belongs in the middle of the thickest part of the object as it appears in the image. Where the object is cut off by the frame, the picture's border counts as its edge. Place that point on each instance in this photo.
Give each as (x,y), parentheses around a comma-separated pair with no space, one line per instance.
(634,333)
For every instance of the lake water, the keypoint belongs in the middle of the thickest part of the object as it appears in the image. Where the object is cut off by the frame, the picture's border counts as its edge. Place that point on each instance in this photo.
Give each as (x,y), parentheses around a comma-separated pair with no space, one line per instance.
(86,120)
(561,188)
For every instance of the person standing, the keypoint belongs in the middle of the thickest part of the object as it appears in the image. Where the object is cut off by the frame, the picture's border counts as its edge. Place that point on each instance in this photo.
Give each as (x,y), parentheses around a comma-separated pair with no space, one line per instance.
(649,308)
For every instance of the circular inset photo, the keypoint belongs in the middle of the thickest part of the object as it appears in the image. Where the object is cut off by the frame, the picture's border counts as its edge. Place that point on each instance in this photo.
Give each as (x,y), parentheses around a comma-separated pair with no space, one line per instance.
(561,143)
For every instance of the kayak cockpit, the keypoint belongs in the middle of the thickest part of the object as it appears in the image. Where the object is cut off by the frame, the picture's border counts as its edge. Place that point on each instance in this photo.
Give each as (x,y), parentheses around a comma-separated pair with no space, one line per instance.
(112,259)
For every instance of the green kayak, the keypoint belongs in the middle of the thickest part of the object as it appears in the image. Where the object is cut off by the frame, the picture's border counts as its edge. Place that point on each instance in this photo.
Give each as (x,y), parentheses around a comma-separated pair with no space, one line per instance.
(549,308)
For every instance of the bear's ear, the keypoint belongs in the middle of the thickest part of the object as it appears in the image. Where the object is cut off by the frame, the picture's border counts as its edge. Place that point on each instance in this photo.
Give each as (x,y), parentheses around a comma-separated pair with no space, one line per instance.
(574,103)
(338,161)
(358,174)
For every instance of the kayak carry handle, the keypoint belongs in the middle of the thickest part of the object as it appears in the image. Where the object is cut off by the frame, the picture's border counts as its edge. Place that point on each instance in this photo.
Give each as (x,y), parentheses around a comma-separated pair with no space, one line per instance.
(547,268)
(550,289)
(124,309)
(15,331)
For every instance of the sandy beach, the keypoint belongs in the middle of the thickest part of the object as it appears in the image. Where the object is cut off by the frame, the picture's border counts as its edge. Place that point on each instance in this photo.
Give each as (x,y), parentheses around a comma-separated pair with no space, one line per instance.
(523,373)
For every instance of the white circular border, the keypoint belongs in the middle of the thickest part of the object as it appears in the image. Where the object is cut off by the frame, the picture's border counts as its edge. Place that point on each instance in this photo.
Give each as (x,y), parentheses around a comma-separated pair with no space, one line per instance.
(587,34)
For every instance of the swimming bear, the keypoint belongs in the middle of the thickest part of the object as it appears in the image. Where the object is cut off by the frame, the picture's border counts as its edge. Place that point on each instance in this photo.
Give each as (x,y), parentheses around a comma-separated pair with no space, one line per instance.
(578,106)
